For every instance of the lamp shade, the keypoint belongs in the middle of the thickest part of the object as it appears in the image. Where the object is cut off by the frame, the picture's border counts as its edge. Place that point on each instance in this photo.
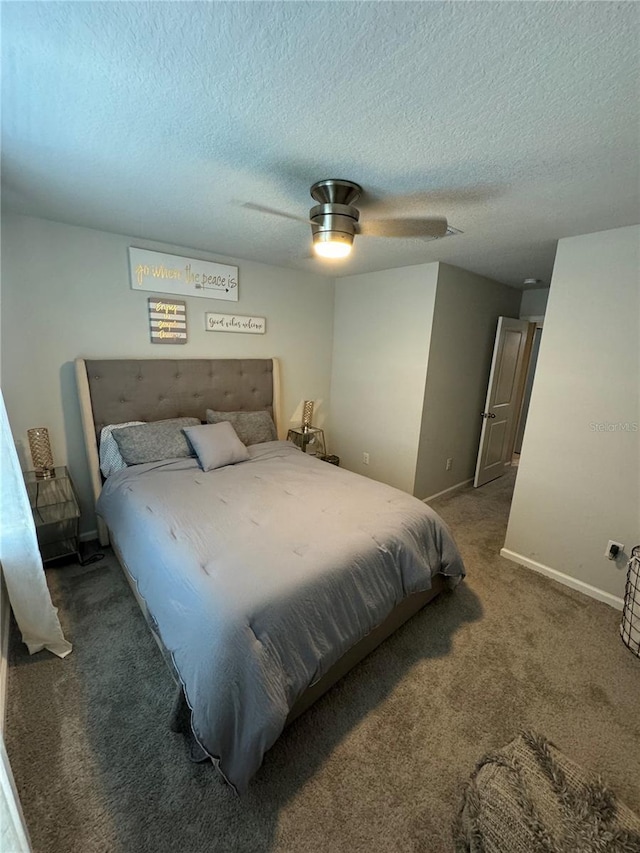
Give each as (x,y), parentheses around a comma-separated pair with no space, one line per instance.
(41,454)
(307,413)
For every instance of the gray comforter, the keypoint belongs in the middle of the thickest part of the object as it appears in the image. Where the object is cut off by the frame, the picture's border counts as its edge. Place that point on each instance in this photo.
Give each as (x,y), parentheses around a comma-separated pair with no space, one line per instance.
(261,575)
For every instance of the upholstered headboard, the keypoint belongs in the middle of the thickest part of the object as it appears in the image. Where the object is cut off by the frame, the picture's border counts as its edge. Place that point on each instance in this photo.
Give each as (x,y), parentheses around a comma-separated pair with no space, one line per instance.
(113,391)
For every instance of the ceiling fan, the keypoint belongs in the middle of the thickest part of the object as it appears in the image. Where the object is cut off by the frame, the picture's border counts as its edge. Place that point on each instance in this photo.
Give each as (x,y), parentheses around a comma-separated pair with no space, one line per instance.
(335,221)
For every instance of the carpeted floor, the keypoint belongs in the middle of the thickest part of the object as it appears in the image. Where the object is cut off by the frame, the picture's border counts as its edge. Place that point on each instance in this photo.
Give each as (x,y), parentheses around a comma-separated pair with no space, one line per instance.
(377,765)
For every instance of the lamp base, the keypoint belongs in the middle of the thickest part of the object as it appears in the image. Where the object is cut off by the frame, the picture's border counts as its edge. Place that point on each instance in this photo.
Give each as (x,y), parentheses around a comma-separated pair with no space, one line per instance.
(45,473)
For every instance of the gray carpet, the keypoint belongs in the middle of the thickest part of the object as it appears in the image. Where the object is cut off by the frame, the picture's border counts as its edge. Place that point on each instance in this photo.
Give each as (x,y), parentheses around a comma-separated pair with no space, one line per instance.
(376,765)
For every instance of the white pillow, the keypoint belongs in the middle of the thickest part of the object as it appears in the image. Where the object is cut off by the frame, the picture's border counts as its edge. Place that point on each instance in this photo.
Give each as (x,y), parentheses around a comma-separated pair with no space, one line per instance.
(110,457)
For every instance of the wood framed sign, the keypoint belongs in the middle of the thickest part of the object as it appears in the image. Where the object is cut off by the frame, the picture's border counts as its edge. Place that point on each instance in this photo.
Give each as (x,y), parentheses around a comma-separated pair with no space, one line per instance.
(168,321)
(162,273)
(235,323)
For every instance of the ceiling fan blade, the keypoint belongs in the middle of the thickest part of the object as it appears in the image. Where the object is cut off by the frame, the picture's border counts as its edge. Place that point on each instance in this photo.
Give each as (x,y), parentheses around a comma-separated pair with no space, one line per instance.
(376,202)
(273,212)
(430,226)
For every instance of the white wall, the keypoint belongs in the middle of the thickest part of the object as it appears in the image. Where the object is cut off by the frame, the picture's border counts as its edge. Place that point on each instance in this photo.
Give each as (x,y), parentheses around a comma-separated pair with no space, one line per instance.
(534,302)
(382,329)
(66,293)
(578,482)
(465,318)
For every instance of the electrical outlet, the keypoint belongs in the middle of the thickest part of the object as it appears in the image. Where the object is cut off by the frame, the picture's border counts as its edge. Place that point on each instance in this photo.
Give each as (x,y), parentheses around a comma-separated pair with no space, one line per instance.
(449,464)
(365,458)
(614,549)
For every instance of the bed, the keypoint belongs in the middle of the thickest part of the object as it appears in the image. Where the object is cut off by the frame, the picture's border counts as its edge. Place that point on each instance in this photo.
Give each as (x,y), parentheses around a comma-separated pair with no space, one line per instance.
(263,581)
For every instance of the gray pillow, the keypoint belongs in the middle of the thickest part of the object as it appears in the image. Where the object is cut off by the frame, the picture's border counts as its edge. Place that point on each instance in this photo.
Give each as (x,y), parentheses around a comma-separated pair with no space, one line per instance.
(251,427)
(154,441)
(216,445)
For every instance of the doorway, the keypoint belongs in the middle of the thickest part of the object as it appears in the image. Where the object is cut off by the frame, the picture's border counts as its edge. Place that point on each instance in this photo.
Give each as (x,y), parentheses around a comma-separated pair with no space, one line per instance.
(511,378)
(528,385)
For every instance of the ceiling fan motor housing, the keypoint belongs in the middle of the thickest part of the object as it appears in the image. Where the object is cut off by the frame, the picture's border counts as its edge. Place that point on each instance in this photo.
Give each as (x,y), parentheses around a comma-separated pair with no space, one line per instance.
(334,219)
(335,191)
(339,220)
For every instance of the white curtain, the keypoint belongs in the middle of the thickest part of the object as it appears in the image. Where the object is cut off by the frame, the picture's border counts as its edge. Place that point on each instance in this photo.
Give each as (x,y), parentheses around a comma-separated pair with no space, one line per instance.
(22,568)
(13,830)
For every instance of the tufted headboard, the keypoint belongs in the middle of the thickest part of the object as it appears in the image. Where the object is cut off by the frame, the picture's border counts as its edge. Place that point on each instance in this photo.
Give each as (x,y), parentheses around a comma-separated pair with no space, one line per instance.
(113,391)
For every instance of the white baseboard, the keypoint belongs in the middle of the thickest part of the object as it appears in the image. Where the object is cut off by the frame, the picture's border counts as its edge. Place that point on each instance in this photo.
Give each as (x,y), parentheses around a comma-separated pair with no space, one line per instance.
(5,615)
(446,491)
(567,580)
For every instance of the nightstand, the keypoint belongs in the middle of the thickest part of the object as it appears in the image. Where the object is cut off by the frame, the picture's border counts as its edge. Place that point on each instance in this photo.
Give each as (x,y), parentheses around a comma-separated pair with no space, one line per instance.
(331,459)
(55,513)
(309,439)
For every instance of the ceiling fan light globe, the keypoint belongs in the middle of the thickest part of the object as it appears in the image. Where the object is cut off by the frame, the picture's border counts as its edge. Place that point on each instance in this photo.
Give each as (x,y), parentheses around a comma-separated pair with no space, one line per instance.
(332,244)
(332,250)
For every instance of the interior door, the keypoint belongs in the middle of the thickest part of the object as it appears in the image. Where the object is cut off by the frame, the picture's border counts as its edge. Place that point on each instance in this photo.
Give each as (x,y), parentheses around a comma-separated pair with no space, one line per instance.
(504,394)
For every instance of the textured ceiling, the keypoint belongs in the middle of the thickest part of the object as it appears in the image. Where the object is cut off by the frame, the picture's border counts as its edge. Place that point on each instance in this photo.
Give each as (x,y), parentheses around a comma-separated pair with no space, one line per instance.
(518,121)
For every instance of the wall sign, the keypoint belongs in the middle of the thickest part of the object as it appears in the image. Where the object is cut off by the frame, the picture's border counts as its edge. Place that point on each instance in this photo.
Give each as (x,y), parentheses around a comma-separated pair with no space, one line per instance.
(164,273)
(235,323)
(168,321)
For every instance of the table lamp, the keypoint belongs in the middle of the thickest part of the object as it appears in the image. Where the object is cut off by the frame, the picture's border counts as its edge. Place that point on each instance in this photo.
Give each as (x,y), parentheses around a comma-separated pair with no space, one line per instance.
(41,455)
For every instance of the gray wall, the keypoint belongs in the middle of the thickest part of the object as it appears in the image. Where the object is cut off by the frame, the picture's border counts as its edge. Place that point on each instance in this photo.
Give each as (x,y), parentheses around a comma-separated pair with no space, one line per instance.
(380,351)
(66,293)
(578,482)
(534,302)
(467,308)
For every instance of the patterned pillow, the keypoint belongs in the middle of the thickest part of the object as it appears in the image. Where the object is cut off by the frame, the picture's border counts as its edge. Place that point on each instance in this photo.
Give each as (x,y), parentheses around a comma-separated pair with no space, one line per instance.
(110,457)
(154,441)
(251,427)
